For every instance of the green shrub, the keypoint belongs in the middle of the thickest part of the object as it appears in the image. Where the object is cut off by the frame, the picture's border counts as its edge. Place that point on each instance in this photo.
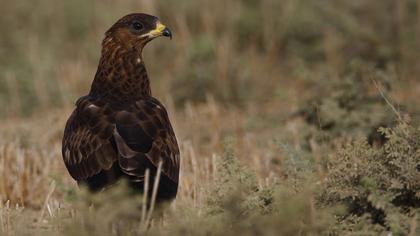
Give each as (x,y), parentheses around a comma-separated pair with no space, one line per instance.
(380,187)
(237,205)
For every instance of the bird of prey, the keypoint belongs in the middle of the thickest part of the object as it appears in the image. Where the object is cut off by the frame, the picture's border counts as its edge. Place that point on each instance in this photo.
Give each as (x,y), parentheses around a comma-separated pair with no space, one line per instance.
(119,130)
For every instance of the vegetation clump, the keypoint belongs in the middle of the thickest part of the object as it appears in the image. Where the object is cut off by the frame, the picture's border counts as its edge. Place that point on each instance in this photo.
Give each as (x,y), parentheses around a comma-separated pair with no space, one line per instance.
(380,187)
(237,205)
(351,107)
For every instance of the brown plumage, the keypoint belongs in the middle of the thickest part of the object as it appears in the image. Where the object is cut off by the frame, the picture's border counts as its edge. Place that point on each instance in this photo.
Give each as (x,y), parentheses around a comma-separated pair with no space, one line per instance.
(119,130)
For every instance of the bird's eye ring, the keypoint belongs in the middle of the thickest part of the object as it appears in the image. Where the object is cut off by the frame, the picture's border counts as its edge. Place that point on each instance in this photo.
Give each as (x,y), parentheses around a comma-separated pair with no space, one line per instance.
(137,26)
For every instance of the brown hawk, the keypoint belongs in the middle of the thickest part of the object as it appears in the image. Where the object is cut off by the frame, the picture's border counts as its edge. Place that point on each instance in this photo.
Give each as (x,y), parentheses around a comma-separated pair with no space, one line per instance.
(119,130)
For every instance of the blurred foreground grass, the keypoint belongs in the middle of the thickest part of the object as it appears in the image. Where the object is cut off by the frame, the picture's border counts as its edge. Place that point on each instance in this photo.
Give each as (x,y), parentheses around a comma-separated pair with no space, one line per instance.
(300,86)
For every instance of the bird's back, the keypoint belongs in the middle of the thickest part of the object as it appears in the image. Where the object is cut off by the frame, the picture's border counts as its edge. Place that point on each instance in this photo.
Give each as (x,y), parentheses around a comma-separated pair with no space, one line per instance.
(104,142)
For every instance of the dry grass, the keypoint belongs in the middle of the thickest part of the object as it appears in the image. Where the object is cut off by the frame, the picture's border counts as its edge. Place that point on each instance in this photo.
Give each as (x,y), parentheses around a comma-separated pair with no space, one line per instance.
(34,177)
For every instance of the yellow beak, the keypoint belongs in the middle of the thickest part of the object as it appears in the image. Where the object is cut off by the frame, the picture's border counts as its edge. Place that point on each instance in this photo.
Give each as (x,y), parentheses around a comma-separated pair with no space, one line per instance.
(161,30)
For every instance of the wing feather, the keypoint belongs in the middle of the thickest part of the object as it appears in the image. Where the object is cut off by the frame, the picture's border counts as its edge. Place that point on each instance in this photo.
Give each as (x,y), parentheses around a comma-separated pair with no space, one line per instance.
(95,137)
(147,132)
(86,147)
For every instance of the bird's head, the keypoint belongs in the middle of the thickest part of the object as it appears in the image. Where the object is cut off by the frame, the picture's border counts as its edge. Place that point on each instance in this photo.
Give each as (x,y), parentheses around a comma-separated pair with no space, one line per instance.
(136,30)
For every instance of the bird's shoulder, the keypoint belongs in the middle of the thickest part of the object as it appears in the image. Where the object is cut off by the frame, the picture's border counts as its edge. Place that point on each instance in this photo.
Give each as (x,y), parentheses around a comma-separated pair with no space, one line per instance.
(91,111)
(86,146)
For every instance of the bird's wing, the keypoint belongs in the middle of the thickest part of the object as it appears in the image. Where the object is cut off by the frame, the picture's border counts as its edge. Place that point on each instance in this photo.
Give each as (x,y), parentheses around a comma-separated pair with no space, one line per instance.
(144,131)
(95,137)
(87,147)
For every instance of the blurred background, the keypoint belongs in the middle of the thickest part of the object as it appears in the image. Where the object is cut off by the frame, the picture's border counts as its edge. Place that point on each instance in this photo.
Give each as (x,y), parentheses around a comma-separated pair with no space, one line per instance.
(289,80)
(243,53)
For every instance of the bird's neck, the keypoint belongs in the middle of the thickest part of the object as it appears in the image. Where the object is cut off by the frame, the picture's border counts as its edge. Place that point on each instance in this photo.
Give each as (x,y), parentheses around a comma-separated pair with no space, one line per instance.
(121,74)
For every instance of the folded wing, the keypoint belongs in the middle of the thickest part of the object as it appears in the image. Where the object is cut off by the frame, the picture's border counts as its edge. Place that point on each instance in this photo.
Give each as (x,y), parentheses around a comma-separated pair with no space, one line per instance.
(137,136)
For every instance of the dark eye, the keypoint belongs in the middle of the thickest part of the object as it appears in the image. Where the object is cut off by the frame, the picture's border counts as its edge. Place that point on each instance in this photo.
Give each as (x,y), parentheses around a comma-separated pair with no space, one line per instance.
(137,26)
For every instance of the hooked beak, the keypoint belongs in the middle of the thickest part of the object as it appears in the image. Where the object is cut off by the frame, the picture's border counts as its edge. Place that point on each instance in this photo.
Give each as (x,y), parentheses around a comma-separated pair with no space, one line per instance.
(167,33)
(161,30)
